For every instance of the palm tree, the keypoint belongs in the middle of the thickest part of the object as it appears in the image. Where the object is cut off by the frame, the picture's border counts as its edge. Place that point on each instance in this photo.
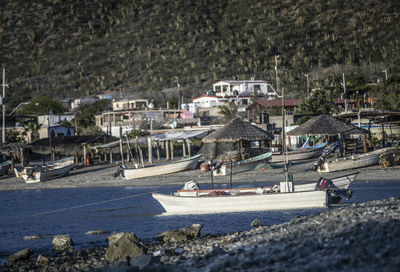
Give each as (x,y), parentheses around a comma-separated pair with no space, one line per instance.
(32,131)
(229,111)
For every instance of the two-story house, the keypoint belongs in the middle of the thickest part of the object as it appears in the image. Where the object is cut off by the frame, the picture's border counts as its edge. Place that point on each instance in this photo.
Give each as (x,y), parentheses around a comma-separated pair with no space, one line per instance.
(240,92)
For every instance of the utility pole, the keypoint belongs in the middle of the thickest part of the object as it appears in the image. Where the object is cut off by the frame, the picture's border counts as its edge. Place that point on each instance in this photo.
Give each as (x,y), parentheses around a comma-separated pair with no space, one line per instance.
(345,95)
(76,124)
(276,73)
(50,136)
(3,131)
(308,84)
(179,92)
(283,103)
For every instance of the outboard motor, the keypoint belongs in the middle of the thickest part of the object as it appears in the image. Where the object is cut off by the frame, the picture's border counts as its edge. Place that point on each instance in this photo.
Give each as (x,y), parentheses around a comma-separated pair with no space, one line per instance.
(336,193)
(331,148)
(120,171)
(191,186)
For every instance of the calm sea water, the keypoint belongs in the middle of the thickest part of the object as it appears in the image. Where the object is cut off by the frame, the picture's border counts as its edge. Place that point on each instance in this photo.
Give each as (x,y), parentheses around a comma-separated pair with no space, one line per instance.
(128,209)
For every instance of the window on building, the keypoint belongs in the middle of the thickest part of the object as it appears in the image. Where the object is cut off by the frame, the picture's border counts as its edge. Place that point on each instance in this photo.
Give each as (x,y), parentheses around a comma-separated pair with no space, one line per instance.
(218,89)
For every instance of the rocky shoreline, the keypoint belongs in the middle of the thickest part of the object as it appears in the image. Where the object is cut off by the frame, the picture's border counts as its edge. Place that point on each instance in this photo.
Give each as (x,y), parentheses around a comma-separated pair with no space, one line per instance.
(360,237)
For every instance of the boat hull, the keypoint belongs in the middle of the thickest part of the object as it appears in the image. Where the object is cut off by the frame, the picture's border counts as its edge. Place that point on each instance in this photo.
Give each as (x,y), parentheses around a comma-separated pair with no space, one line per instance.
(47,172)
(357,161)
(242,203)
(297,155)
(163,169)
(242,166)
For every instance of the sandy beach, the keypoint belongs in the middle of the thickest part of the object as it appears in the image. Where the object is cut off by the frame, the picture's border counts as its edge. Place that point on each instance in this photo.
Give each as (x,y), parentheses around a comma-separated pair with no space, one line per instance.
(103,175)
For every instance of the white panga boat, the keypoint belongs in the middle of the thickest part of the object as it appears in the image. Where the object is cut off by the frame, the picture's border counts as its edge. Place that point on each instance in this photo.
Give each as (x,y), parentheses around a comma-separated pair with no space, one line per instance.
(160,169)
(351,162)
(300,154)
(321,194)
(47,171)
(242,166)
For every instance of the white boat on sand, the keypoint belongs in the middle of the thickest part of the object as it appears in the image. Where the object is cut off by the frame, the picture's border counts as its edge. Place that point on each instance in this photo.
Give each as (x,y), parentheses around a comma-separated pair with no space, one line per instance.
(351,162)
(160,169)
(242,166)
(47,171)
(253,199)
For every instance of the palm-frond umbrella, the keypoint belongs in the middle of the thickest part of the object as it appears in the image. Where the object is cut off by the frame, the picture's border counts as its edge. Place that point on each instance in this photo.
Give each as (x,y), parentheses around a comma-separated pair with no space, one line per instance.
(326,125)
(234,132)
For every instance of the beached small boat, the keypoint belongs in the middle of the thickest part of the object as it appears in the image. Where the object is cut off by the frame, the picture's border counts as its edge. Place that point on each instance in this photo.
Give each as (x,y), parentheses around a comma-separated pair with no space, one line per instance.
(351,162)
(5,167)
(242,166)
(47,171)
(191,200)
(160,169)
(300,154)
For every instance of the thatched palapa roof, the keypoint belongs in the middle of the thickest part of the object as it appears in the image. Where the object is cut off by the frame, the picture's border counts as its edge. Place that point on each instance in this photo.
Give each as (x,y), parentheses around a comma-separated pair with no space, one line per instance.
(326,125)
(236,131)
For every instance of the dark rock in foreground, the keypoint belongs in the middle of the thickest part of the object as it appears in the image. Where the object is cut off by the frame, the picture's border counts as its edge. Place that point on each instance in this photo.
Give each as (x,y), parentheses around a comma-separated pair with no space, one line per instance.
(361,237)
(122,245)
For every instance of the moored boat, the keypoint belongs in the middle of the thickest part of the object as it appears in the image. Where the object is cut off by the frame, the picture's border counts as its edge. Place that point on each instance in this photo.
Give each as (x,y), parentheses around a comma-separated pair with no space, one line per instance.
(160,169)
(223,203)
(243,165)
(192,200)
(353,161)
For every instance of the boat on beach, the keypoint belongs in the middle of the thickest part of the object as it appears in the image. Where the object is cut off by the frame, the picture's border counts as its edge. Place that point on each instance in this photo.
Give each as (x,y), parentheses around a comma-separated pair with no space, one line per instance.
(300,154)
(192,200)
(242,166)
(47,171)
(353,161)
(160,169)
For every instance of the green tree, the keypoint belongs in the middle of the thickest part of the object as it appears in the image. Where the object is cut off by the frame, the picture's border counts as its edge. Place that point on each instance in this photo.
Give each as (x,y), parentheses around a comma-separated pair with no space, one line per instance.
(86,115)
(229,111)
(388,95)
(319,102)
(32,131)
(42,106)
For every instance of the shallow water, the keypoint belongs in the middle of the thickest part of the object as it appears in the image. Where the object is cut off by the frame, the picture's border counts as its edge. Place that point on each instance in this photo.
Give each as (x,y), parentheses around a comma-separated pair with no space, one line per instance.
(129,209)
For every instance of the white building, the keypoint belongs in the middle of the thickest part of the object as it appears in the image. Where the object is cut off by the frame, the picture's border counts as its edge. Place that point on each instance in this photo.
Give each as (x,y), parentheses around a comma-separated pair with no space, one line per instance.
(54,119)
(82,101)
(56,131)
(244,87)
(225,91)
(129,104)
